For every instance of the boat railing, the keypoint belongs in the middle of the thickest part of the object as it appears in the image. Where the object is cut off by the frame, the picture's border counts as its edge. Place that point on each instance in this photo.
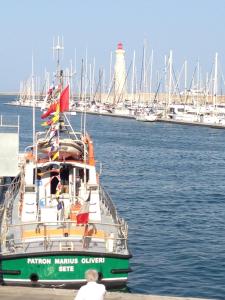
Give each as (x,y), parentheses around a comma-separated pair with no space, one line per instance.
(7,206)
(106,200)
(43,135)
(10,123)
(71,128)
(12,190)
(63,236)
(76,134)
(1,211)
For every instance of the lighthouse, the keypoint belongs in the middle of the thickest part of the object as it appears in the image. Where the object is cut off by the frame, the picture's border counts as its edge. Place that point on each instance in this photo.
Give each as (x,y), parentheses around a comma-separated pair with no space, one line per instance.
(120,73)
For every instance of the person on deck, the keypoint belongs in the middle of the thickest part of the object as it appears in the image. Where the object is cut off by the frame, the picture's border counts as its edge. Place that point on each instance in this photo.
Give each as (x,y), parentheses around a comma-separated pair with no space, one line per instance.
(92,290)
(89,231)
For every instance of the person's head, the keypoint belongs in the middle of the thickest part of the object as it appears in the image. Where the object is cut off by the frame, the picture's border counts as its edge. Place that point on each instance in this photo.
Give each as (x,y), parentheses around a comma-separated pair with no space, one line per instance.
(91,275)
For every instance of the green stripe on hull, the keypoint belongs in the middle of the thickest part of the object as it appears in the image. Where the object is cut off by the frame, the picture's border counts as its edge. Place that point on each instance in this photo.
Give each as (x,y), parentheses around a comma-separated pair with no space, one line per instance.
(63,267)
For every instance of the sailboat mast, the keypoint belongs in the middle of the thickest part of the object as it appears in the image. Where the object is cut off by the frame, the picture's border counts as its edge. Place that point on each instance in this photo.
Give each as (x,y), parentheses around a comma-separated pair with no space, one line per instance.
(93,79)
(132,80)
(71,83)
(59,47)
(151,67)
(170,78)
(141,84)
(85,92)
(144,69)
(110,70)
(185,82)
(81,92)
(33,97)
(215,81)
(90,83)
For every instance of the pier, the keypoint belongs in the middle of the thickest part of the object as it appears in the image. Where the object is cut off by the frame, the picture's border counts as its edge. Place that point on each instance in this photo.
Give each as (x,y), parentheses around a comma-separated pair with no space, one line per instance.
(162,120)
(25,293)
(216,126)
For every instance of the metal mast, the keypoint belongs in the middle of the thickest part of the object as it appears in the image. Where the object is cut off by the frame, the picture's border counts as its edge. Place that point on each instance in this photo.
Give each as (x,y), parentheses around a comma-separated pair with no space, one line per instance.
(33,98)
(170,78)
(58,48)
(215,81)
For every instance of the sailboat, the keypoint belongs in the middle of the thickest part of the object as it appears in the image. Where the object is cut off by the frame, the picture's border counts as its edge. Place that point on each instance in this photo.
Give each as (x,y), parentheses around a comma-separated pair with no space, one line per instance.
(57,219)
(146,115)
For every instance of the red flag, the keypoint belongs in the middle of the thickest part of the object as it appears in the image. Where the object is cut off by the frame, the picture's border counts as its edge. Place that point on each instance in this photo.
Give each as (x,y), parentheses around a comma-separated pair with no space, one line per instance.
(64,100)
(82,218)
(50,110)
(83,214)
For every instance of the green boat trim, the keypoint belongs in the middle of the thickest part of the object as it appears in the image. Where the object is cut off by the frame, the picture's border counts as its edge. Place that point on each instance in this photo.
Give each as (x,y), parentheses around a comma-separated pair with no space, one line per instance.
(63,269)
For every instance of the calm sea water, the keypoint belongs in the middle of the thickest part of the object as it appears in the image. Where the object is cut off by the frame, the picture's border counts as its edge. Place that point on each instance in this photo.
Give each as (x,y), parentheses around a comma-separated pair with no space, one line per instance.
(168,182)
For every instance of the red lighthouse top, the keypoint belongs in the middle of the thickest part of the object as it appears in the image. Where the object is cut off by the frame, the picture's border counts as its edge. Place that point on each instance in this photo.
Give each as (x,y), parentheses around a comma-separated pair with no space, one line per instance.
(120,46)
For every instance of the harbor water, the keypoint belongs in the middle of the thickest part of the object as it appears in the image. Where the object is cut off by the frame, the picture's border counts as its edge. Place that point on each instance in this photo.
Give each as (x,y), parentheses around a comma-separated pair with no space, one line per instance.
(168,182)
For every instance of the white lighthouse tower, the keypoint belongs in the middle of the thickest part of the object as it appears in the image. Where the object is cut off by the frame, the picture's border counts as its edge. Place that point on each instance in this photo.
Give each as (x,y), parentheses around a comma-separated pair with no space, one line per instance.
(120,74)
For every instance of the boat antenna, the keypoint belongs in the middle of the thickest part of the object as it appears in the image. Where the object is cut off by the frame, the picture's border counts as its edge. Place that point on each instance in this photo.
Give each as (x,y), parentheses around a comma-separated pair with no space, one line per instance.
(58,48)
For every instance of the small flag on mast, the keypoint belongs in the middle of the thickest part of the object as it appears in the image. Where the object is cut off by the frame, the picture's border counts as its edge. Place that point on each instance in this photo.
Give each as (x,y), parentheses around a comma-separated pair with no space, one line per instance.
(50,110)
(61,105)
(64,99)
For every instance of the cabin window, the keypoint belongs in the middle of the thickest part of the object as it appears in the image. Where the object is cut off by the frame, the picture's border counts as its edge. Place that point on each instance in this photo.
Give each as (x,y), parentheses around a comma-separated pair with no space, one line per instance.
(64,176)
(29,189)
(54,181)
(38,174)
(54,184)
(81,174)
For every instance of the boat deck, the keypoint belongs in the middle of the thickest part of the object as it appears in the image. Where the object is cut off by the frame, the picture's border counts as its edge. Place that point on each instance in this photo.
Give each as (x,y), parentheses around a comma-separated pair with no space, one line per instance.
(103,237)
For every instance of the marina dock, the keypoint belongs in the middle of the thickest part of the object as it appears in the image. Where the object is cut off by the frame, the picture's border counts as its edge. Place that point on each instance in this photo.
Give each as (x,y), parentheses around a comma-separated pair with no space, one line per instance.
(25,293)
(172,121)
(162,120)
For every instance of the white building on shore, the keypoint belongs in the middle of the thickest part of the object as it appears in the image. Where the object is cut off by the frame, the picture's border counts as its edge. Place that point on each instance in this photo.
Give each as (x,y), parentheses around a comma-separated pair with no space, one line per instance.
(120,87)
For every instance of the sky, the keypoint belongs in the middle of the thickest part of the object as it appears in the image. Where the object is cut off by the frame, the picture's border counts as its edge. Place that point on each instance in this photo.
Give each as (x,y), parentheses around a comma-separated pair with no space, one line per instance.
(193,29)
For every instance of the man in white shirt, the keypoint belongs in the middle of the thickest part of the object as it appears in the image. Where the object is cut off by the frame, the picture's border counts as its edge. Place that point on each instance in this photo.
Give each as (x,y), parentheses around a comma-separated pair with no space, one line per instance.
(92,290)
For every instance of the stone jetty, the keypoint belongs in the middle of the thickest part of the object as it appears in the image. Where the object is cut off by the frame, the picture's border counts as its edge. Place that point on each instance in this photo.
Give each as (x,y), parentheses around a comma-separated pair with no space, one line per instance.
(25,293)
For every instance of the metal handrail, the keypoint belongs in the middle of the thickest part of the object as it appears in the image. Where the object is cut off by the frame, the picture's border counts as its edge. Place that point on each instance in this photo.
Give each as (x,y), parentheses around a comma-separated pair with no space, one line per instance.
(21,243)
(6,213)
(105,198)
(11,191)
(18,246)
(61,223)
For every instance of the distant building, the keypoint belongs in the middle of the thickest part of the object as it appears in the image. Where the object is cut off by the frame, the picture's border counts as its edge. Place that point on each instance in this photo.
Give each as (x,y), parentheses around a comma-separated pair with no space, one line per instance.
(120,88)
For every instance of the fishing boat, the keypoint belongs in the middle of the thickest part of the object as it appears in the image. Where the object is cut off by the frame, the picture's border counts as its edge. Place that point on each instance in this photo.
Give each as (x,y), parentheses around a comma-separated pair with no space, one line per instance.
(57,221)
